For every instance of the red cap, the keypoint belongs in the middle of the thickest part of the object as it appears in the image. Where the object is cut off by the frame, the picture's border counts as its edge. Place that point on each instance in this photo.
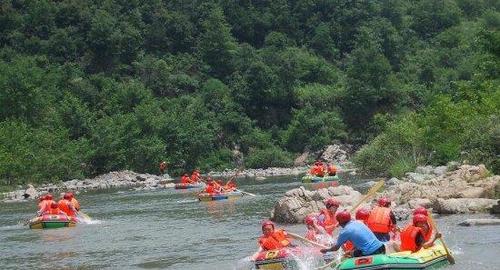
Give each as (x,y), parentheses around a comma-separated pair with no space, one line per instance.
(42,198)
(267,222)
(54,205)
(362,214)
(309,220)
(67,196)
(420,211)
(331,202)
(343,217)
(419,218)
(384,202)
(49,197)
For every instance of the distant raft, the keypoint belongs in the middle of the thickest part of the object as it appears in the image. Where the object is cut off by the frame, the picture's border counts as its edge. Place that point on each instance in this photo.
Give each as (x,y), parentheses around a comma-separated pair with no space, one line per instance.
(189,186)
(206,197)
(432,257)
(308,178)
(51,222)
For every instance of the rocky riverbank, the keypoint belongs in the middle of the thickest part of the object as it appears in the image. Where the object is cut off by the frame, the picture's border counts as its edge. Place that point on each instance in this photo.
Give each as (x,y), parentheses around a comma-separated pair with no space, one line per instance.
(446,190)
(119,179)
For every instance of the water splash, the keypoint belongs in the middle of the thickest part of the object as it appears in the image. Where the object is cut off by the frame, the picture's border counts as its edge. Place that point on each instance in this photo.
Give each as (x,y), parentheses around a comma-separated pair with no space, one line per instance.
(246,263)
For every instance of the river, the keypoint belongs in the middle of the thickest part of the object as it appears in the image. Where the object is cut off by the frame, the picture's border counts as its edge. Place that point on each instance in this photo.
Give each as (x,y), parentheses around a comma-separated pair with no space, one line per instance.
(170,229)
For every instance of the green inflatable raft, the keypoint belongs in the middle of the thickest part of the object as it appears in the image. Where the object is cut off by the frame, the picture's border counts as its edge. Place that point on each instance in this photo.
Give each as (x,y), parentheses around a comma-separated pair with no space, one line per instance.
(430,258)
(317,179)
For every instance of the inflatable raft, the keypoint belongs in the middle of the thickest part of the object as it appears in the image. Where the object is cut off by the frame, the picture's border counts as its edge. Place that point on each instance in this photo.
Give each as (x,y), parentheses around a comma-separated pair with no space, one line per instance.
(206,197)
(317,179)
(51,222)
(189,186)
(432,257)
(287,258)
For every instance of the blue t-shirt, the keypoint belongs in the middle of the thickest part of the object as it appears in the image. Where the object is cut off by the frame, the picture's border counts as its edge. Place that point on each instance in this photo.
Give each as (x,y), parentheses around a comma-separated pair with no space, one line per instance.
(361,236)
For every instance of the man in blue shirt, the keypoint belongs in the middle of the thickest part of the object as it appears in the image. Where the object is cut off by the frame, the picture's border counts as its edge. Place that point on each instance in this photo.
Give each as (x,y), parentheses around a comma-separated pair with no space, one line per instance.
(364,241)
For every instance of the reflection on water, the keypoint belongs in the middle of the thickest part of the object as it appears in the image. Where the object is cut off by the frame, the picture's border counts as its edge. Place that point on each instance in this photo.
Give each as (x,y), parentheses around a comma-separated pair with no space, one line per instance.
(170,229)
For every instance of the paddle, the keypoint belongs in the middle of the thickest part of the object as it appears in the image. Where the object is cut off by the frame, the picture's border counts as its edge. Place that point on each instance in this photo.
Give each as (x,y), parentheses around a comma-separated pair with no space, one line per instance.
(448,254)
(85,216)
(306,240)
(233,177)
(370,193)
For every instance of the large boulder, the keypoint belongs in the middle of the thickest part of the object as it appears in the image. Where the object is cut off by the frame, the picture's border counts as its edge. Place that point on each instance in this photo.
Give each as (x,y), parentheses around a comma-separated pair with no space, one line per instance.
(299,202)
(336,153)
(467,182)
(480,222)
(462,205)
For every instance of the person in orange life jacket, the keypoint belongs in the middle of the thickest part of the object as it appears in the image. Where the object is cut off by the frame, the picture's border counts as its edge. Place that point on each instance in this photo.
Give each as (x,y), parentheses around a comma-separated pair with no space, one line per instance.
(163,167)
(272,238)
(66,206)
(210,187)
(74,201)
(326,218)
(54,210)
(381,220)
(185,179)
(218,185)
(331,170)
(45,204)
(362,215)
(430,235)
(364,241)
(315,232)
(195,176)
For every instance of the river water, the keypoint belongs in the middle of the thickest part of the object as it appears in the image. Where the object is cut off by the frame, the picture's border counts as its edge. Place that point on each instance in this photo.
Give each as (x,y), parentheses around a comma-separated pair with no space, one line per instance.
(170,229)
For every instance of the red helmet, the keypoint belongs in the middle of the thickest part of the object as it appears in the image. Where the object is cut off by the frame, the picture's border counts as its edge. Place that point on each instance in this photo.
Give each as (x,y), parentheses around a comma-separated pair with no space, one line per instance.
(267,222)
(67,196)
(49,197)
(419,218)
(332,202)
(343,217)
(42,198)
(362,214)
(54,205)
(384,202)
(420,211)
(309,220)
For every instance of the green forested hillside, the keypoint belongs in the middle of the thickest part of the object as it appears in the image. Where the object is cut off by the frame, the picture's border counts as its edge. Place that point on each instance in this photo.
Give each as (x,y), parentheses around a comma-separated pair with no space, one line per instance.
(92,86)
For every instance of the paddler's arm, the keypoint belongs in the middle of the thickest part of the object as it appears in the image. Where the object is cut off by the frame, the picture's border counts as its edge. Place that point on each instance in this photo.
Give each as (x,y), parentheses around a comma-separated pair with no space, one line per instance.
(256,254)
(431,241)
(340,241)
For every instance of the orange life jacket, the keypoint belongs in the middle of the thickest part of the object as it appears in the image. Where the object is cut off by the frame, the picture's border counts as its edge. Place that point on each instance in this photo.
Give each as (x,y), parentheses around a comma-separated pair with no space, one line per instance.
(330,221)
(409,237)
(185,180)
(195,176)
(45,205)
(209,189)
(318,171)
(75,204)
(332,170)
(276,240)
(54,211)
(66,207)
(379,220)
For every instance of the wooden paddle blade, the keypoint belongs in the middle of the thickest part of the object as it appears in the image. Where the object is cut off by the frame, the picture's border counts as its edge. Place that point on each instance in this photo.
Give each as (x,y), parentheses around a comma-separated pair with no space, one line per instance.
(296,236)
(370,193)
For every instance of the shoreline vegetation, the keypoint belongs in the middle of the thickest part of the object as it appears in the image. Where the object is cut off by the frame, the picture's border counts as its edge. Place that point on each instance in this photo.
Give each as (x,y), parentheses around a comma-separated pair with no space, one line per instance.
(91,87)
